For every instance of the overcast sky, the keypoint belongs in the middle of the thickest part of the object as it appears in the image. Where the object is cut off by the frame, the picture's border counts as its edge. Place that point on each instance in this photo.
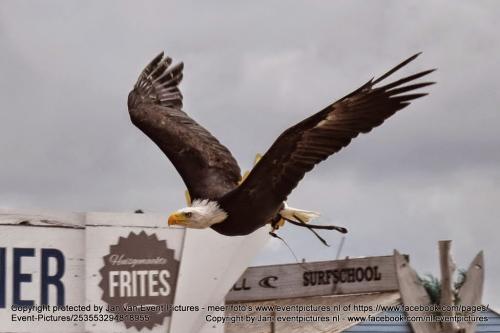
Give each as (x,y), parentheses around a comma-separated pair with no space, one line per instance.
(251,70)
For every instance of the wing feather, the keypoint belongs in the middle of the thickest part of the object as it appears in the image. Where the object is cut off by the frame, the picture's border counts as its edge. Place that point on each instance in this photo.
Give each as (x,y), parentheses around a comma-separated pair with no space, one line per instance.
(301,147)
(155,107)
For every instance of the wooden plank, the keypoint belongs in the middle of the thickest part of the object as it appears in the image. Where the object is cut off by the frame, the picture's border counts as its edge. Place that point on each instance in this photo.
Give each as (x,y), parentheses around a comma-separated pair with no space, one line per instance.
(413,293)
(350,276)
(472,290)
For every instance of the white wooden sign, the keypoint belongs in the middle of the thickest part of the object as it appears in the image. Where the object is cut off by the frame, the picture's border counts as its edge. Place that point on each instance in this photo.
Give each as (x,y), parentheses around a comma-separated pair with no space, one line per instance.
(348,276)
(104,272)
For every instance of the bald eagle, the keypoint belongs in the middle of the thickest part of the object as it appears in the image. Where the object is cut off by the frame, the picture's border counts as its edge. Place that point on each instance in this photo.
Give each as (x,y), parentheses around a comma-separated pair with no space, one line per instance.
(212,176)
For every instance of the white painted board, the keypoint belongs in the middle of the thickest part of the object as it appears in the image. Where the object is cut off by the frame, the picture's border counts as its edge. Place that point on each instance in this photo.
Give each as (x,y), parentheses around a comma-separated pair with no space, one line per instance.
(52,251)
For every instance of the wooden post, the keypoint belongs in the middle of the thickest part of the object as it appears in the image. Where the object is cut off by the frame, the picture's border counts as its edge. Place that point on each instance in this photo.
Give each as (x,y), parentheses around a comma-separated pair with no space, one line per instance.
(472,290)
(413,293)
(447,297)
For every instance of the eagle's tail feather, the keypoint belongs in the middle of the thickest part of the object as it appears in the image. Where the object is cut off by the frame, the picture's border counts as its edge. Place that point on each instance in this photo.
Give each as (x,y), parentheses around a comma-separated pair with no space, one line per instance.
(290,213)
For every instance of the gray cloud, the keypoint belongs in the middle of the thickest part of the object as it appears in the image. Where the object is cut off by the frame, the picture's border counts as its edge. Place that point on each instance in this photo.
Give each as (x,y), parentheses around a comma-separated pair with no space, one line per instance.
(252,70)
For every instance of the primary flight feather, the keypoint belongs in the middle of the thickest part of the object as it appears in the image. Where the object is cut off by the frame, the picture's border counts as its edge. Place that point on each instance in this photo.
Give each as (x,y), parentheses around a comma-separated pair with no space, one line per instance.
(213,176)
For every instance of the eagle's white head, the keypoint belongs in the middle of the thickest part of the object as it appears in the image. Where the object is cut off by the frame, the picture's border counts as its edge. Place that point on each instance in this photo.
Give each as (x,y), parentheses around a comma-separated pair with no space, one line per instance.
(200,215)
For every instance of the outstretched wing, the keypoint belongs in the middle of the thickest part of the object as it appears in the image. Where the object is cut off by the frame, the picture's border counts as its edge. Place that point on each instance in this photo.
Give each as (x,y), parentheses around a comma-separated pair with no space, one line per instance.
(155,107)
(311,141)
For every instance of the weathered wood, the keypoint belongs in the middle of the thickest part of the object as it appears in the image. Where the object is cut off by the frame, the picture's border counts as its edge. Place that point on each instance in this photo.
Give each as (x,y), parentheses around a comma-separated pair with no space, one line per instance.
(447,269)
(413,293)
(42,218)
(336,277)
(472,290)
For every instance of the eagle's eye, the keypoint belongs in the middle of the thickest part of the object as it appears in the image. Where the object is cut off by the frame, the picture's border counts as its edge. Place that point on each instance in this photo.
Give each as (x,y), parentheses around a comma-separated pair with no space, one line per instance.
(188,214)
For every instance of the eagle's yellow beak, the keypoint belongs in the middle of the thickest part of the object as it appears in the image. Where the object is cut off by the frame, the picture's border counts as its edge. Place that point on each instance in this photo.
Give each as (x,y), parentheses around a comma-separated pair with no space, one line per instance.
(176,218)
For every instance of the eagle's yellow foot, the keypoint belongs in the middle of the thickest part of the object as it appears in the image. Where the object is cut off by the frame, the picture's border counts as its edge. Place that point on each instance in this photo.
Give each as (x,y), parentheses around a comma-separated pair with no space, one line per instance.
(279,224)
(246,173)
